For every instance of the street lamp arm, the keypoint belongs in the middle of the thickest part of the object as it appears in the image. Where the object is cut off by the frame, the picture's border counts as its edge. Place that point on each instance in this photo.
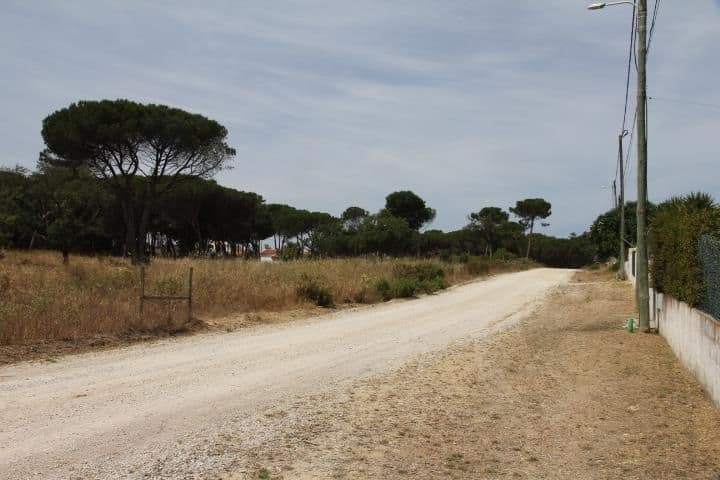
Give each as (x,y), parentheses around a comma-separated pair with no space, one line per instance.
(598,6)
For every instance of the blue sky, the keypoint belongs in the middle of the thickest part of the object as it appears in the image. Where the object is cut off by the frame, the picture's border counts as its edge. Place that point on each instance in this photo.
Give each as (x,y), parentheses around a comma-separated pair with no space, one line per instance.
(335,103)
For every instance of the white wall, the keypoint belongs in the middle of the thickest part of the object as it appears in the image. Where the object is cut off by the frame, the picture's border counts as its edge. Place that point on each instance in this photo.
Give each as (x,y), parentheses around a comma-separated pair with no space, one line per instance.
(695,338)
(693,335)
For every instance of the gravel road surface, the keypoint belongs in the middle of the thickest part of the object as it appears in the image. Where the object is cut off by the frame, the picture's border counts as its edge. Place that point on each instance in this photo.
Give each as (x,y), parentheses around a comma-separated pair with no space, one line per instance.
(187,408)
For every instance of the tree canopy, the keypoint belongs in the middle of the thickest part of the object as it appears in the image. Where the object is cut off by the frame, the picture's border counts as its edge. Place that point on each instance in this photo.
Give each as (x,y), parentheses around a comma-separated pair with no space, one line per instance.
(121,177)
(489,223)
(529,211)
(120,141)
(410,207)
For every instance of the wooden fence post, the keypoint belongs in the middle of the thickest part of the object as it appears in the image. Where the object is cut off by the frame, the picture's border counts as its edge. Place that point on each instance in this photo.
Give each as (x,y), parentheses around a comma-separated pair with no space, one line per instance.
(142,289)
(190,295)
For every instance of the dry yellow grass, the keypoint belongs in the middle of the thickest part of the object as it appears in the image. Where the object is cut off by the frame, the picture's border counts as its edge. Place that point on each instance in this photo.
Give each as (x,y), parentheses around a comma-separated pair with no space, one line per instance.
(42,299)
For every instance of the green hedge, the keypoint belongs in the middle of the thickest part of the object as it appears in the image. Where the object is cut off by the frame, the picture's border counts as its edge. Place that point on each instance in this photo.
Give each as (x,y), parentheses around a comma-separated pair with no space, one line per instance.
(673,238)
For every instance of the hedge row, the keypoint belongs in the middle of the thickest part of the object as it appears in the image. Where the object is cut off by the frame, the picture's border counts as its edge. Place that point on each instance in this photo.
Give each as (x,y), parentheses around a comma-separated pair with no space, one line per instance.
(674,236)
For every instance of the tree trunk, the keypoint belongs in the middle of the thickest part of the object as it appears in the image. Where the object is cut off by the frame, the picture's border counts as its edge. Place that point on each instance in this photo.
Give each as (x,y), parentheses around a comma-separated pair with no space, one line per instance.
(142,233)
(131,238)
(65,255)
(532,224)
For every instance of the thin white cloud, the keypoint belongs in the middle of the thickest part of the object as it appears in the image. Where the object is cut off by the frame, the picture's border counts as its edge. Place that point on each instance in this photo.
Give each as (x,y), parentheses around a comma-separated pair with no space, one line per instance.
(333,103)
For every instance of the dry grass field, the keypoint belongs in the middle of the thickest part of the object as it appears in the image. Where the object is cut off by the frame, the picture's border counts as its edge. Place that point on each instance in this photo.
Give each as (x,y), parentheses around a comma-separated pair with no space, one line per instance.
(43,300)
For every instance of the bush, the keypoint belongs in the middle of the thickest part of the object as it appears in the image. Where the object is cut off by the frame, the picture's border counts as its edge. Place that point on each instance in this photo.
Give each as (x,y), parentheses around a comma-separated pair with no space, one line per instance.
(477,267)
(420,272)
(409,279)
(673,243)
(310,289)
(384,289)
(405,288)
(504,255)
(431,286)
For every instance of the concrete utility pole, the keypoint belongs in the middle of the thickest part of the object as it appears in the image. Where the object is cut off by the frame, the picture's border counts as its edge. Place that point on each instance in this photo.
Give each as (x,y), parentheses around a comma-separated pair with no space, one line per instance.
(642,294)
(621,201)
(642,284)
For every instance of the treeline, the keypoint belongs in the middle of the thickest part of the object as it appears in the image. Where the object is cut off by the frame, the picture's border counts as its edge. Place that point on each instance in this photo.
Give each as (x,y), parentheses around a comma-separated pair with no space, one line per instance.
(72,211)
(124,178)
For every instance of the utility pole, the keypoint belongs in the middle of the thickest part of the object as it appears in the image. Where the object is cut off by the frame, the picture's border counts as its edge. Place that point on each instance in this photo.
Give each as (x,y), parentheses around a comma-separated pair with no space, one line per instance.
(642,284)
(621,201)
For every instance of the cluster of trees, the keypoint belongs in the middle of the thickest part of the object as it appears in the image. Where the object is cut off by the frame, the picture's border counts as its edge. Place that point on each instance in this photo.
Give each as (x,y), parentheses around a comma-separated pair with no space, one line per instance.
(72,211)
(126,178)
(604,232)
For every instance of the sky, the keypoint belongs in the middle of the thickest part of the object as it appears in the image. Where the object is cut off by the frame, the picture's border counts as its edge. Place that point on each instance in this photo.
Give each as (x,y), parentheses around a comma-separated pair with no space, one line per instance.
(333,103)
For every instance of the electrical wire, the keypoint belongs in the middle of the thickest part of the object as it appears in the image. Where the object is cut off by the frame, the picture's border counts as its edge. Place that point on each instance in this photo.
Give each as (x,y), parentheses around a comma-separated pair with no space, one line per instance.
(656,9)
(629,71)
(630,144)
(631,51)
(684,102)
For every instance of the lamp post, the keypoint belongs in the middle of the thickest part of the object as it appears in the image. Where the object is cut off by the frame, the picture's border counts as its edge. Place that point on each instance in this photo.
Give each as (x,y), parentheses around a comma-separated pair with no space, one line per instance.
(642,284)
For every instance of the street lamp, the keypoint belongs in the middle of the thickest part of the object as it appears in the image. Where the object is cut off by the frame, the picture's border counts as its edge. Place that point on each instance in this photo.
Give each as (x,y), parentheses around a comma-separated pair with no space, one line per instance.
(642,291)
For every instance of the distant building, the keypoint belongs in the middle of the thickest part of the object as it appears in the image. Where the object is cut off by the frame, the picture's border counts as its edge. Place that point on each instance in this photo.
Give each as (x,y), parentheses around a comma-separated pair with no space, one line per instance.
(269,255)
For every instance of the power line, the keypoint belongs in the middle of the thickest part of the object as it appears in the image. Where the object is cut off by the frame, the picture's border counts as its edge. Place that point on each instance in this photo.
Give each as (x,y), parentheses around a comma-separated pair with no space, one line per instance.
(631,51)
(629,69)
(684,102)
(656,9)
(630,144)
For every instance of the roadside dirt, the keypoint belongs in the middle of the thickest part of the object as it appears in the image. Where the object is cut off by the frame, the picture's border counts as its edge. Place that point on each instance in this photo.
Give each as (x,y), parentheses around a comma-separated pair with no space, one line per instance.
(567,394)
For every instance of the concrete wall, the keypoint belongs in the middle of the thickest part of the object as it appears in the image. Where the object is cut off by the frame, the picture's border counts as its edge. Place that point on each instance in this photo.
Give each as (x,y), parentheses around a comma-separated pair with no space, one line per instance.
(693,335)
(695,338)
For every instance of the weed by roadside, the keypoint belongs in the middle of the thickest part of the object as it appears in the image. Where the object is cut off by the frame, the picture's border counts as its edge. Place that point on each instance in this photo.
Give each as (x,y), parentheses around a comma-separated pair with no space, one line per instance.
(310,289)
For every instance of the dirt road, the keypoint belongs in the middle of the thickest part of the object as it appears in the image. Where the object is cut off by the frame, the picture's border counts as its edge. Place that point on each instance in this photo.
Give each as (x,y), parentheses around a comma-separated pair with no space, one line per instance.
(188,408)
(566,394)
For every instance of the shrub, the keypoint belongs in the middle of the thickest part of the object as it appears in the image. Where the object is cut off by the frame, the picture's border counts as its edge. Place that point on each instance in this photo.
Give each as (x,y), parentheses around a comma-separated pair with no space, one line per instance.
(420,272)
(431,286)
(384,289)
(405,288)
(673,244)
(310,289)
(411,278)
(477,267)
(504,255)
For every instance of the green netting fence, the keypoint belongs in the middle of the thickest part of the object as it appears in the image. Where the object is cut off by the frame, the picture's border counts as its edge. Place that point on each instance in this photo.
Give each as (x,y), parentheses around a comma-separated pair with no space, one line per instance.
(709,256)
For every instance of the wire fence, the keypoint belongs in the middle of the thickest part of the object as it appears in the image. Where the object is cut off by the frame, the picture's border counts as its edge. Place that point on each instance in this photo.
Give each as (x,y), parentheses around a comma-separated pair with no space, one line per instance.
(709,256)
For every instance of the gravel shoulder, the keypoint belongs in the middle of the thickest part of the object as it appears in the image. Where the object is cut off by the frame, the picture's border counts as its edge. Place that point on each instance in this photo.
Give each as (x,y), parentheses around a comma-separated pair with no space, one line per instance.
(566,394)
(196,407)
